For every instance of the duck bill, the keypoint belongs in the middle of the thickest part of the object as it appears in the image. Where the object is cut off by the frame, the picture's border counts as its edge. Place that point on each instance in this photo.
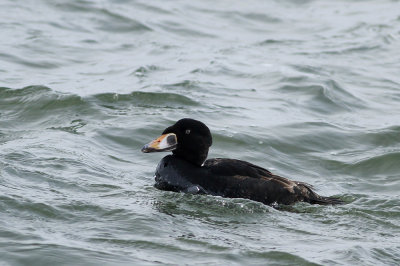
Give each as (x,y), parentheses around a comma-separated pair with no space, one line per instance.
(166,142)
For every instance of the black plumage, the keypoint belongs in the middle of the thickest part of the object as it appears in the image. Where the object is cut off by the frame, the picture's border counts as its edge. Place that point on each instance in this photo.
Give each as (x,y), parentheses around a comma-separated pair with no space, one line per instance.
(185,171)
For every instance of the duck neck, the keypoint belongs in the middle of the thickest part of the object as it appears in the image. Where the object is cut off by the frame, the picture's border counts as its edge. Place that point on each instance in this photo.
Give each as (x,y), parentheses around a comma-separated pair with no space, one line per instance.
(197,158)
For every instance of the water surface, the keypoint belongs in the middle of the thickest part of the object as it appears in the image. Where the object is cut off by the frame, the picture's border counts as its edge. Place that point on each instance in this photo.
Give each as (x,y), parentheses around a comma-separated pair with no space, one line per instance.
(307,89)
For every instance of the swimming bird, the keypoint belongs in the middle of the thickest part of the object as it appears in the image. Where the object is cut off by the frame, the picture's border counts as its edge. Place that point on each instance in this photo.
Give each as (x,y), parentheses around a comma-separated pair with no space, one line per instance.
(187,170)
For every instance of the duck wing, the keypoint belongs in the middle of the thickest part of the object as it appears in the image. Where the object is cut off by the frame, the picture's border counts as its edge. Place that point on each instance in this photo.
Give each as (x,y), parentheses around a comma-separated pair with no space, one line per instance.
(241,179)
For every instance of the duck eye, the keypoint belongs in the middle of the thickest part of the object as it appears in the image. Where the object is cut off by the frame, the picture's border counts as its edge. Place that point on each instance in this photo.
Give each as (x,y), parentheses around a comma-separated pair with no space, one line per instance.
(187,132)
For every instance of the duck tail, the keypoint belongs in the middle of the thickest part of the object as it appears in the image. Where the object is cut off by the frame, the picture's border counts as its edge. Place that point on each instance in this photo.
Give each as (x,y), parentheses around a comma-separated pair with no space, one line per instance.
(326,200)
(312,197)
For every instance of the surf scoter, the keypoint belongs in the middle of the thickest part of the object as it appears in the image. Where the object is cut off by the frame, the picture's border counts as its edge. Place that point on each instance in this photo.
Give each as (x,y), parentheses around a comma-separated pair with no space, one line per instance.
(187,170)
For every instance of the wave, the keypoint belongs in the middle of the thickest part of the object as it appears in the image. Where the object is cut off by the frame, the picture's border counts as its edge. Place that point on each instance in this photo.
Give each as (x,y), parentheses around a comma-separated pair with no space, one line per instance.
(36,101)
(155,99)
(104,19)
(326,98)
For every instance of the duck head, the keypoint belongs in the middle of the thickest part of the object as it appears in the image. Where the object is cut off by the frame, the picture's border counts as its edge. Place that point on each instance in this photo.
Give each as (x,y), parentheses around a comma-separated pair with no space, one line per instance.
(188,139)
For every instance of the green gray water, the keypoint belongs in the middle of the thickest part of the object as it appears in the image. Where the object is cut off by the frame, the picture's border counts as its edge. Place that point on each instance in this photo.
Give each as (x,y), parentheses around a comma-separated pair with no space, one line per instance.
(307,89)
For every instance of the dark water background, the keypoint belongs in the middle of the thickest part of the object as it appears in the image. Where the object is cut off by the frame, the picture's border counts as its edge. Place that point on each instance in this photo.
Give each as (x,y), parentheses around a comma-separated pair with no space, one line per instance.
(308,89)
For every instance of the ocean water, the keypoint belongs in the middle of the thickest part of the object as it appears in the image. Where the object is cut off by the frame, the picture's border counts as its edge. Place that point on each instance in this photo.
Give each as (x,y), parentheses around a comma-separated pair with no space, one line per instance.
(308,89)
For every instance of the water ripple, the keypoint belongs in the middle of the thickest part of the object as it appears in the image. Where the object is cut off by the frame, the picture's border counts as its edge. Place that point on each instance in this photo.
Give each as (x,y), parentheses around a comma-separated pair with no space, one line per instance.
(307,89)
